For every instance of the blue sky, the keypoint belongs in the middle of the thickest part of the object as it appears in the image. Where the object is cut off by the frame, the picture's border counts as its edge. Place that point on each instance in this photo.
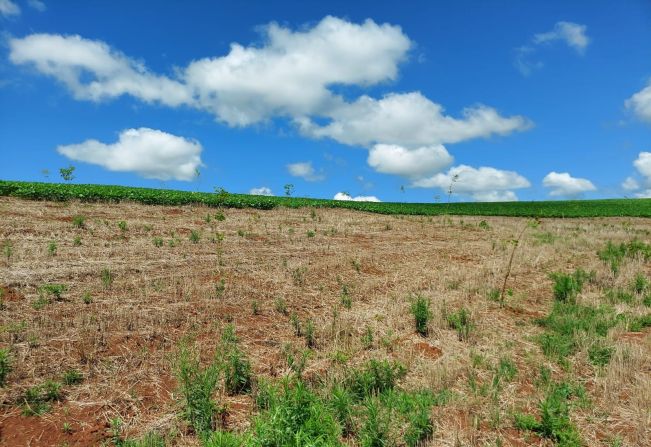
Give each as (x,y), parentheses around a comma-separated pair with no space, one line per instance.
(504,100)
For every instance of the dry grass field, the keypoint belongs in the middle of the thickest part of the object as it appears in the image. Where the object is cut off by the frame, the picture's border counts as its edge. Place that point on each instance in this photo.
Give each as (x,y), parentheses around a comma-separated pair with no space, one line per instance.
(95,311)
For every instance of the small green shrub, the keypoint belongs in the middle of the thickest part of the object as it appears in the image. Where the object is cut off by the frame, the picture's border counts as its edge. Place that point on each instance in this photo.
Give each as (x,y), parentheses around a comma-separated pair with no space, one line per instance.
(55,290)
(37,400)
(600,354)
(281,306)
(484,225)
(554,423)
(567,287)
(52,248)
(72,377)
(235,365)
(197,386)
(122,225)
(107,278)
(367,338)
(375,377)
(79,221)
(639,323)
(461,321)
(310,336)
(195,236)
(76,241)
(158,242)
(640,283)
(87,298)
(420,309)
(5,366)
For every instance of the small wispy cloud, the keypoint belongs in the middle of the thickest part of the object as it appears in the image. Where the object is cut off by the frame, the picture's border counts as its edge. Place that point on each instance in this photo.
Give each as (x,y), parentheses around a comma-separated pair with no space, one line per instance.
(574,35)
(306,171)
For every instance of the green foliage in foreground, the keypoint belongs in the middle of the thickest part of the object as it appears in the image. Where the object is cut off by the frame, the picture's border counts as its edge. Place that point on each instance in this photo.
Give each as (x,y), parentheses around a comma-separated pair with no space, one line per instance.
(554,421)
(108,193)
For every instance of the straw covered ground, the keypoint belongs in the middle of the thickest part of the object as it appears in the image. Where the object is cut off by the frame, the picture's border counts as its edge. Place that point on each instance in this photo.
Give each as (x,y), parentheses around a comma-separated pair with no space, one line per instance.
(98,299)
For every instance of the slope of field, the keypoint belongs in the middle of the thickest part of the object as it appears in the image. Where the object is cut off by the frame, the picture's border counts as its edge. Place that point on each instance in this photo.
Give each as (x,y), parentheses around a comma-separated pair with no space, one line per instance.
(98,301)
(113,194)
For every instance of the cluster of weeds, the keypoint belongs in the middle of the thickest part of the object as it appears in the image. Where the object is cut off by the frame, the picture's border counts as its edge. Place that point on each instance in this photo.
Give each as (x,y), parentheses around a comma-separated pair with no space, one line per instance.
(366,408)
(298,276)
(53,290)
(461,321)
(158,242)
(281,306)
(554,416)
(122,225)
(151,439)
(220,288)
(52,248)
(367,338)
(544,237)
(420,309)
(234,363)
(107,278)
(195,236)
(636,324)
(197,385)
(346,298)
(357,265)
(484,225)
(76,241)
(568,323)
(5,366)
(7,249)
(567,287)
(614,255)
(38,399)
(72,377)
(79,221)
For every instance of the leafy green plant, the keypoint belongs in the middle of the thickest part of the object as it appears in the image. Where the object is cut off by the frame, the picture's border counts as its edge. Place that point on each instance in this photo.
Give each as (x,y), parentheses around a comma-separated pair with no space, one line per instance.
(310,336)
(280,306)
(567,287)
(420,309)
(367,338)
(55,290)
(195,236)
(5,366)
(158,242)
(600,354)
(484,225)
(461,321)
(79,221)
(376,376)
(52,248)
(87,298)
(67,174)
(614,255)
(640,283)
(311,233)
(37,400)
(72,377)
(7,249)
(235,365)
(554,422)
(76,241)
(107,278)
(122,225)
(346,299)
(197,385)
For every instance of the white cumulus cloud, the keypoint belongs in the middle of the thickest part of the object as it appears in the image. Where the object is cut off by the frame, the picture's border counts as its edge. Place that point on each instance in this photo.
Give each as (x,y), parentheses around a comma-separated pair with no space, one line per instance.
(9,8)
(148,152)
(482,184)
(640,103)
(261,191)
(573,34)
(409,120)
(398,160)
(306,171)
(290,74)
(630,184)
(91,70)
(563,184)
(345,196)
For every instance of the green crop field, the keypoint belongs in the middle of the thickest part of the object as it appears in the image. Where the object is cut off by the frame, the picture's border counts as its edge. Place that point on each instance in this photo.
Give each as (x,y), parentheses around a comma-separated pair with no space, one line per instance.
(108,193)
